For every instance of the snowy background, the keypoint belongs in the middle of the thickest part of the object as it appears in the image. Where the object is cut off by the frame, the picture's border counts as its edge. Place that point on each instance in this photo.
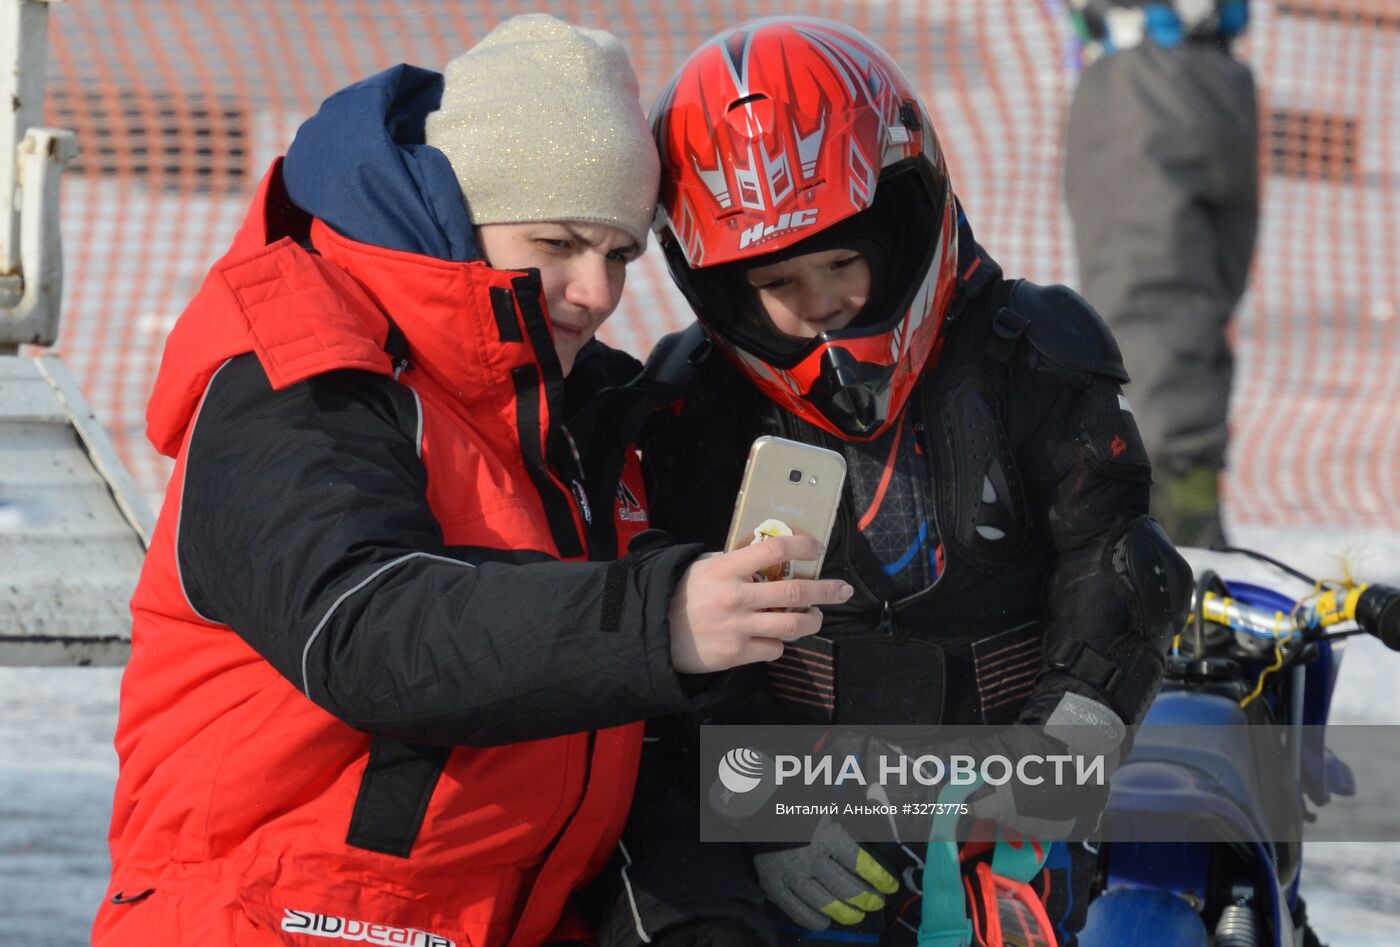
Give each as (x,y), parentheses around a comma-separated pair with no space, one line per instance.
(57,771)
(1324,294)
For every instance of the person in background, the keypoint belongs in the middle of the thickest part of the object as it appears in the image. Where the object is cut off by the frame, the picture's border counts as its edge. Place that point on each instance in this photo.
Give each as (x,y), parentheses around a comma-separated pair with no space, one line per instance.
(1161,179)
(379,687)
(995,516)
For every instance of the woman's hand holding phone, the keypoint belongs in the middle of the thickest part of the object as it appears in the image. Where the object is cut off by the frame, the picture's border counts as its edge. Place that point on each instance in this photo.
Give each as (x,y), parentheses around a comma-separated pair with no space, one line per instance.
(721,618)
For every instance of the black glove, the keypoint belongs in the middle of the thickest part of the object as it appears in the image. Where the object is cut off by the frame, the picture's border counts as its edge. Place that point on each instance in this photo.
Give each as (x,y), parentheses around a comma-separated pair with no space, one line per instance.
(1078,726)
(718,932)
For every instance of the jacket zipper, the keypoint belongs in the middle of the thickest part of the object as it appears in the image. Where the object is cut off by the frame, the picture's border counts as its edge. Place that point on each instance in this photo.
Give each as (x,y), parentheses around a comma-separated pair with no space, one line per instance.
(576,480)
(528,287)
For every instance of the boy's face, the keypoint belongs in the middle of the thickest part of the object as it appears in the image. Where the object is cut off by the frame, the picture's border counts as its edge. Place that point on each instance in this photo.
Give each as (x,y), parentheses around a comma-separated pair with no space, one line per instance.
(582,271)
(813,293)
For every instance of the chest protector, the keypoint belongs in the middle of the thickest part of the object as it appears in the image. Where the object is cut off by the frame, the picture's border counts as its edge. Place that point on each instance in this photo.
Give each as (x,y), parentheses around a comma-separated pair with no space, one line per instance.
(965,648)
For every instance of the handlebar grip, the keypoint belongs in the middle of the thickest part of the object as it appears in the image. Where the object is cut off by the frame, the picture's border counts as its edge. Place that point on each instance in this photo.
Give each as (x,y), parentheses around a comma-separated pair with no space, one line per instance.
(1378,612)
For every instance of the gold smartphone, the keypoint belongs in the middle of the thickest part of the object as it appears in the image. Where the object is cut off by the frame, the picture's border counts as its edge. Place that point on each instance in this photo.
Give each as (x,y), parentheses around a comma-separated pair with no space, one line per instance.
(789,488)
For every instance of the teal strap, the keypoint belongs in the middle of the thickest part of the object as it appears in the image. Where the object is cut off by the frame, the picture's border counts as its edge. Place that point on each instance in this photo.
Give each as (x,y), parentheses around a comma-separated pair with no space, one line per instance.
(944,922)
(1019,862)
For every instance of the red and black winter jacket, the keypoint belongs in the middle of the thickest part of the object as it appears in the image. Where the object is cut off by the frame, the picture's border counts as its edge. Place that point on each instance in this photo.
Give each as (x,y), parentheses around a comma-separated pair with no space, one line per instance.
(365,695)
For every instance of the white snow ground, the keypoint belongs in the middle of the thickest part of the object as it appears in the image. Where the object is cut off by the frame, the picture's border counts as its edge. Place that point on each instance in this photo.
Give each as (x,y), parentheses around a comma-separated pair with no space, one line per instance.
(57,770)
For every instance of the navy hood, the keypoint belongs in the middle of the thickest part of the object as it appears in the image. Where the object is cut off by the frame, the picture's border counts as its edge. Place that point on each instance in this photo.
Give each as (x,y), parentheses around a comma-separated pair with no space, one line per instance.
(360,165)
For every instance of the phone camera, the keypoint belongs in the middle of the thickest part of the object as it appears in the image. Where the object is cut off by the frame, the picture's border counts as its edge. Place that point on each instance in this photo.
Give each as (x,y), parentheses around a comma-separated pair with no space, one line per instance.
(794,476)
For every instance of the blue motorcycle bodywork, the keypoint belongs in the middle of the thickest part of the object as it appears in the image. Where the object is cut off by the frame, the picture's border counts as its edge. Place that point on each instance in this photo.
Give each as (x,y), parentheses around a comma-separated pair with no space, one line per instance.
(1153,889)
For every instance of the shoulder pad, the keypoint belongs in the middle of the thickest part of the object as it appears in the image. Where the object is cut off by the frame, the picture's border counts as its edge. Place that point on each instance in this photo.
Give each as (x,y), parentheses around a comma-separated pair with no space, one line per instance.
(1061,327)
(674,360)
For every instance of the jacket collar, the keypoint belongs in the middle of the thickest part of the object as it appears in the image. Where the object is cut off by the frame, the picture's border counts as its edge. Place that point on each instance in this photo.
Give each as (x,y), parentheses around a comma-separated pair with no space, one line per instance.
(467,325)
(477,332)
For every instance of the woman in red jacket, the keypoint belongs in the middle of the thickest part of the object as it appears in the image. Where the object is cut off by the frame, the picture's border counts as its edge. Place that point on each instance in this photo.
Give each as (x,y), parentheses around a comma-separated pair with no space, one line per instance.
(380,690)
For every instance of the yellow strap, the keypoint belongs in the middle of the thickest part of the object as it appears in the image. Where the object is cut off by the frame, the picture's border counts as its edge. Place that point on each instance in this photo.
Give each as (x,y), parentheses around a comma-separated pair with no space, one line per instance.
(1332,610)
(1353,596)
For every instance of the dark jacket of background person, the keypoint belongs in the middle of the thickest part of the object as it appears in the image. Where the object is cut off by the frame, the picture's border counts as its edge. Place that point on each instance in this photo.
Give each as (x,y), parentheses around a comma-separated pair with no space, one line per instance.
(1162,187)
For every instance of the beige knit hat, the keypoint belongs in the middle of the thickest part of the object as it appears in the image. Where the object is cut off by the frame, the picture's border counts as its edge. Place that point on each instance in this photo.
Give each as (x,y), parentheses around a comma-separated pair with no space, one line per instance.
(541,121)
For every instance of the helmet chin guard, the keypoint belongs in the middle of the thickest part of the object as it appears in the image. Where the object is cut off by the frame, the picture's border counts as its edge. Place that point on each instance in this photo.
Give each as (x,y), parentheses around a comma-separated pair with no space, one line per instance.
(780,137)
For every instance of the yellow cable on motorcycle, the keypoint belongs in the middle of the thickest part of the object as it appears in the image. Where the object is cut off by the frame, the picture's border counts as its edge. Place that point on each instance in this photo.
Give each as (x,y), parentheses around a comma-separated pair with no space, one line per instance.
(1279,642)
(1327,611)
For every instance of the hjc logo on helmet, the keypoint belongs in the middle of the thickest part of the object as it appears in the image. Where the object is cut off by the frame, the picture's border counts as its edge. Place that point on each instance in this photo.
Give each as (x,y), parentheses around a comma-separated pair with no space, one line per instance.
(791,221)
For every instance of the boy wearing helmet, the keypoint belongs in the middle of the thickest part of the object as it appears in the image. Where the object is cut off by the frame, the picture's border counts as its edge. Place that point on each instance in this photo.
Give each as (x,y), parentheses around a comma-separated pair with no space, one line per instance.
(995,520)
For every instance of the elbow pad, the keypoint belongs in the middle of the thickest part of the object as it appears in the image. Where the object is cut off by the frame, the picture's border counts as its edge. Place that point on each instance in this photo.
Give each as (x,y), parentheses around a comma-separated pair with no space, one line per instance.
(1155,582)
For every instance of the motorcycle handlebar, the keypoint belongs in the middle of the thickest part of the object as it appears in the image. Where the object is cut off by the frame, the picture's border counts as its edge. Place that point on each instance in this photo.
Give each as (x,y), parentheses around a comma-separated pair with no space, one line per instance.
(1252,619)
(1375,608)
(1378,612)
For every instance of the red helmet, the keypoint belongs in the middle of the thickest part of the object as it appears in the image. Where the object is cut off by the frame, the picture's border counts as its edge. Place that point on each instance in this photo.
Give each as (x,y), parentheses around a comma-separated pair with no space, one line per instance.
(789,135)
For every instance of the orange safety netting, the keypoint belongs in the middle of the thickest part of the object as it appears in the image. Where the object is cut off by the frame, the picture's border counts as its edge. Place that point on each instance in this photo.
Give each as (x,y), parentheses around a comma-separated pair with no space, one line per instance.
(180,105)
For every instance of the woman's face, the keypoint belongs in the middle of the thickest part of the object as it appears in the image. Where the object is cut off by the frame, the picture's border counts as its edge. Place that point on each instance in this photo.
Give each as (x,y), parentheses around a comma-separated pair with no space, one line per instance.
(582,271)
(814,293)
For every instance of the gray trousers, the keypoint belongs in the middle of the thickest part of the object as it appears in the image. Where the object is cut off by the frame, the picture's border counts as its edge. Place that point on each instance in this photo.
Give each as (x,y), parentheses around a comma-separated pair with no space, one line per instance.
(1162,185)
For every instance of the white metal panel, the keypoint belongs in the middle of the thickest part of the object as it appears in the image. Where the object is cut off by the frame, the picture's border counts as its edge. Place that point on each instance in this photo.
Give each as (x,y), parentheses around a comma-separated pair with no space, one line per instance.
(31,164)
(68,572)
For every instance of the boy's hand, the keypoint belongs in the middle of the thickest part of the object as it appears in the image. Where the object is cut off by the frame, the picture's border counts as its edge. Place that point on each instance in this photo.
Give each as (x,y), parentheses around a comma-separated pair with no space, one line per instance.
(831,878)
